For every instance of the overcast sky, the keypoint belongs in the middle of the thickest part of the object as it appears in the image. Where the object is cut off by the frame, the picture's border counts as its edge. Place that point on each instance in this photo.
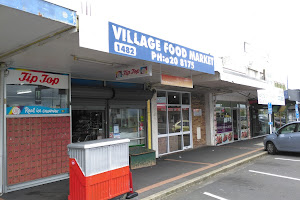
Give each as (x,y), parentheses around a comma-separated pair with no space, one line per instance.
(271,26)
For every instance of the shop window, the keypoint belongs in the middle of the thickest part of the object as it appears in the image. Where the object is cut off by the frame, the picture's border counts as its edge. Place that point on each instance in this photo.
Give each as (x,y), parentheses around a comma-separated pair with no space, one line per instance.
(224,119)
(186,119)
(185,98)
(243,116)
(87,125)
(161,112)
(260,122)
(37,99)
(173,98)
(128,123)
(161,97)
(279,119)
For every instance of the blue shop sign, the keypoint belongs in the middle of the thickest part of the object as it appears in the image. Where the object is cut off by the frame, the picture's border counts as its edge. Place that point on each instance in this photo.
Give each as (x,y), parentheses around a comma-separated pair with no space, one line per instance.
(127,42)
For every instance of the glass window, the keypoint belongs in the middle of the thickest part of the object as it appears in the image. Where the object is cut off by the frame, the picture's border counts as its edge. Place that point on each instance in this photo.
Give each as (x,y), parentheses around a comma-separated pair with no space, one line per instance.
(224,119)
(186,119)
(279,119)
(243,116)
(161,112)
(128,123)
(288,129)
(185,98)
(174,116)
(173,98)
(161,97)
(87,125)
(37,97)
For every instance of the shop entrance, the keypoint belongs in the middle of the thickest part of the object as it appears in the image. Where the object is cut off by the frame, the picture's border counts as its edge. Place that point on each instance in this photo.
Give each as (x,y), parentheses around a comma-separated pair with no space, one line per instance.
(174,121)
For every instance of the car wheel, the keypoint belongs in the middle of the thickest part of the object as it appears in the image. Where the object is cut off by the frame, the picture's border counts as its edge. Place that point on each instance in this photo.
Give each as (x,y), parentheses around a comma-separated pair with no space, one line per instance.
(271,148)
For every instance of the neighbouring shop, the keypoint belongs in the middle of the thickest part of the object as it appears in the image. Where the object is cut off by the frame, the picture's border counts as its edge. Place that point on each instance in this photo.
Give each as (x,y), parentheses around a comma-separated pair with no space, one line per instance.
(174,121)
(37,127)
(231,122)
(259,120)
(259,116)
(116,110)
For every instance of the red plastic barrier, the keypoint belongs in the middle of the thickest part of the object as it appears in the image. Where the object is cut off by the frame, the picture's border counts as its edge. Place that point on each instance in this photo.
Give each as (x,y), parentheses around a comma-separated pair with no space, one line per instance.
(105,185)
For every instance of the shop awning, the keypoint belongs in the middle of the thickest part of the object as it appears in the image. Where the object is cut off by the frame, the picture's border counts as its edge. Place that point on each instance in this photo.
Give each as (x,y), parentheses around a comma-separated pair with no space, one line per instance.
(42,36)
(29,23)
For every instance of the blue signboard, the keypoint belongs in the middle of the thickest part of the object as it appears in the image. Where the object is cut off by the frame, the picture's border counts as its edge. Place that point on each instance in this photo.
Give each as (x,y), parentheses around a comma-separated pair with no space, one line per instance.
(43,9)
(127,42)
(270,108)
(30,110)
(296,108)
(297,115)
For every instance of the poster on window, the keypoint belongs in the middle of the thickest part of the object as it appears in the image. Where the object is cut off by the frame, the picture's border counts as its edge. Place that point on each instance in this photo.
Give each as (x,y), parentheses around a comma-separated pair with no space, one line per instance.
(244,134)
(224,138)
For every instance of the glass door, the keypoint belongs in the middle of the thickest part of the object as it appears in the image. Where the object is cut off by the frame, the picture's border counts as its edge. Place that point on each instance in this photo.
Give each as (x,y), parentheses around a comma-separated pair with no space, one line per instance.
(243,120)
(173,114)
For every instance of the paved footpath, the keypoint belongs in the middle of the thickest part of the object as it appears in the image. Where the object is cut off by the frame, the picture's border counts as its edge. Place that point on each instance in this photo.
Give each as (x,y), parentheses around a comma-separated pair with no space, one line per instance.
(172,173)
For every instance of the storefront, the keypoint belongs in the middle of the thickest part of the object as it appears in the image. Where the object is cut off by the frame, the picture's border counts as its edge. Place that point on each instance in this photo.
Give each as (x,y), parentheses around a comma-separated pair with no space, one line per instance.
(37,121)
(174,121)
(116,110)
(231,122)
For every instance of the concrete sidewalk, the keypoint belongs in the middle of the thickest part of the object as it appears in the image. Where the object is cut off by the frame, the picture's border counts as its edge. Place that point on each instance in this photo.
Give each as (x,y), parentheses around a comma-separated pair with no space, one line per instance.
(171,173)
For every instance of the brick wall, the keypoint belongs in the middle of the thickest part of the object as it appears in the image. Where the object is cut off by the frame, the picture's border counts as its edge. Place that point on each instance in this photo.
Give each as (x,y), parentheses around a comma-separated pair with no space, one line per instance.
(36,147)
(198,102)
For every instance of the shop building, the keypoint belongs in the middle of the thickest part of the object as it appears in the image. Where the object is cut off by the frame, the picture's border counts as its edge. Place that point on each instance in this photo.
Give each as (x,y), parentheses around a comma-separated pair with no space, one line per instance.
(35,105)
(56,91)
(114,82)
(116,110)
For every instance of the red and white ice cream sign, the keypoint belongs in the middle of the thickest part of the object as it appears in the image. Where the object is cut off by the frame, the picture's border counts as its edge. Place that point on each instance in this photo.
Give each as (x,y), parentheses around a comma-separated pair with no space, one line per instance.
(18,76)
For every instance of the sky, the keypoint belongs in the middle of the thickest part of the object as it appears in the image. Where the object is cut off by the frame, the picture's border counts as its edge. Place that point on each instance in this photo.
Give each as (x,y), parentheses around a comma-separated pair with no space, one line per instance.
(220,27)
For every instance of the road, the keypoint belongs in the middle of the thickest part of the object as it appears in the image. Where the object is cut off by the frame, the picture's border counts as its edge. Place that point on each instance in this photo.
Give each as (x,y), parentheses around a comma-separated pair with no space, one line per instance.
(270,177)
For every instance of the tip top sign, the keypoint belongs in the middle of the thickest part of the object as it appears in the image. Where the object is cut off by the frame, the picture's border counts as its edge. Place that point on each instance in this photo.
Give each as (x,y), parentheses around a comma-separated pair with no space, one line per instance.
(17,76)
(134,72)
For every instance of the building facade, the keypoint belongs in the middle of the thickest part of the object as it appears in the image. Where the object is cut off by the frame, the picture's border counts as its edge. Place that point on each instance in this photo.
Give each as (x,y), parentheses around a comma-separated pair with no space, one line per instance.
(63,82)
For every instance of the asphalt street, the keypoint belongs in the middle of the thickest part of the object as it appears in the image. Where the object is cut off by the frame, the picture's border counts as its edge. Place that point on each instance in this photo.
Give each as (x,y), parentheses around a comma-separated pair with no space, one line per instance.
(270,177)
